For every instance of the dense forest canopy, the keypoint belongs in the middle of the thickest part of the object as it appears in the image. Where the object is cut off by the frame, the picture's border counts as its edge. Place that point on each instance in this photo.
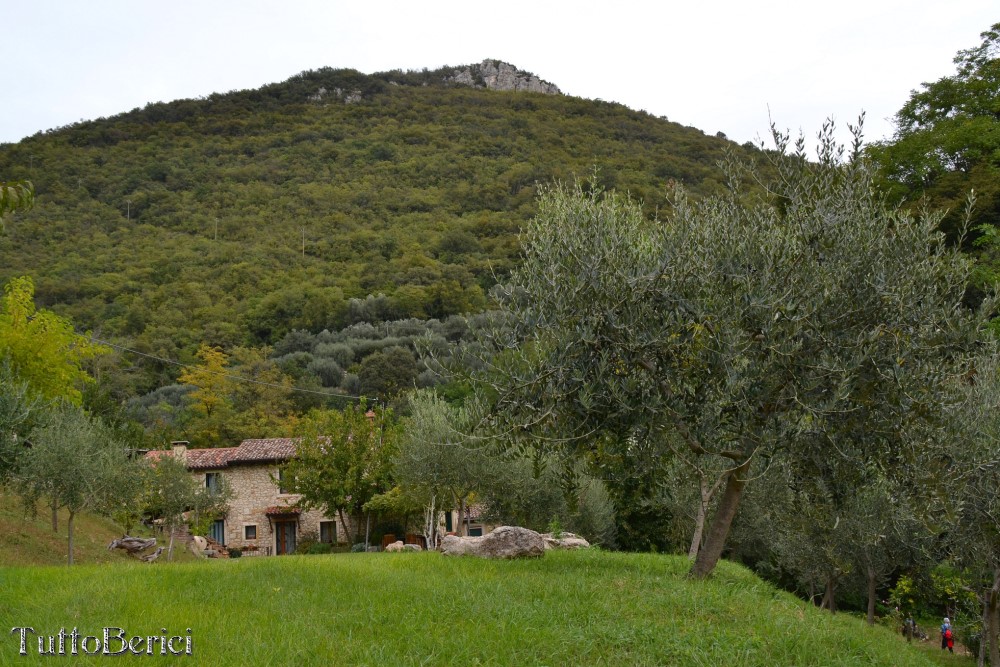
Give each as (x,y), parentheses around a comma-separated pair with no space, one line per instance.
(234,219)
(947,141)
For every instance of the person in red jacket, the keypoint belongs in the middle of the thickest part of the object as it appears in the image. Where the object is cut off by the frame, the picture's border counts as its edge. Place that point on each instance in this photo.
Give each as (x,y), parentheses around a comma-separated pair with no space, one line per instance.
(947,640)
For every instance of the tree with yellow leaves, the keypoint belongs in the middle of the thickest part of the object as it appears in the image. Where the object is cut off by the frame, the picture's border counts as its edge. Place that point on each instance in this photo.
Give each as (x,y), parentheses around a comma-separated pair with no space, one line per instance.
(211,403)
(42,348)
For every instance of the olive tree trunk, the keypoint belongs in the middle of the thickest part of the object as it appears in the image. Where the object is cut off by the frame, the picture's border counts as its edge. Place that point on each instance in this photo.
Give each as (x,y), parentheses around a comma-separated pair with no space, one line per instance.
(430,523)
(983,639)
(709,555)
(699,521)
(347,526)
(991,630)
(69,556)
(829,596)
(871,594)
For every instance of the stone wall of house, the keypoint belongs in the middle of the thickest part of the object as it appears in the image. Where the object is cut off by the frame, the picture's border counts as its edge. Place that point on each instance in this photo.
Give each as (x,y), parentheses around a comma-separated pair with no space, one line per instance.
(459,526)
(253,492)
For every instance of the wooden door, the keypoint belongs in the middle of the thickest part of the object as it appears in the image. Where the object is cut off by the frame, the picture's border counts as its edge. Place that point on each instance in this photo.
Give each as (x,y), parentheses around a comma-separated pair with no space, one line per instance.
(284,536)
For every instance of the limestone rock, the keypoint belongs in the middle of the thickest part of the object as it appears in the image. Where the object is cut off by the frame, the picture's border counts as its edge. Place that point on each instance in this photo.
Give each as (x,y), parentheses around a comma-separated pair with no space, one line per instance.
(502,542)
(412,547)
(318,95)
(347,96)
(498,75)
(453,545)
(565,541)
(395,546)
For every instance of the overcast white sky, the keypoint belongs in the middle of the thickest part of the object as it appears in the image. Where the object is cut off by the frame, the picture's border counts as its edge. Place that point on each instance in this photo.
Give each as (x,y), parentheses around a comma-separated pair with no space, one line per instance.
(717,65)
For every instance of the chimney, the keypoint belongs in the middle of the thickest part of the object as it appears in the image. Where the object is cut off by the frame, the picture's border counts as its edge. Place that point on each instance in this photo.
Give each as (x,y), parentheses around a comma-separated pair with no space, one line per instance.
(179,447)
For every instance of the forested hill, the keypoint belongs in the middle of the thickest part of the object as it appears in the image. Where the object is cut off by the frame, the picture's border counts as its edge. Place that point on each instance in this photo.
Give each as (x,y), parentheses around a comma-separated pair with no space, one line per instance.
(233,219)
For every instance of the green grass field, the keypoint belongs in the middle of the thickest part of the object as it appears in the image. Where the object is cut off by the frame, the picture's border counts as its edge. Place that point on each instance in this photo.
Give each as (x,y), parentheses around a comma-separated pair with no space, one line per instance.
(583,608)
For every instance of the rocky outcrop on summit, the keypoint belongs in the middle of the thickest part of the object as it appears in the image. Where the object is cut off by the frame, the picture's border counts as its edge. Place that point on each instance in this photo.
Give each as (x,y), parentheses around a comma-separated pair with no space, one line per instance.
(498,75)
(349,96)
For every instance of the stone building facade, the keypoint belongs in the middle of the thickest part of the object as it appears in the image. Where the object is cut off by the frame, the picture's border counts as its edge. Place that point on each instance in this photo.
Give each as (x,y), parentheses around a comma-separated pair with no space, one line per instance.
(262,518)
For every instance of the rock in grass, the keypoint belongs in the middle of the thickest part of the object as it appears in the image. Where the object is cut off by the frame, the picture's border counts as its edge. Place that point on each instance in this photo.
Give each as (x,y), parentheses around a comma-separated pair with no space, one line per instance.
(564,541)
(453,545)
(502,542)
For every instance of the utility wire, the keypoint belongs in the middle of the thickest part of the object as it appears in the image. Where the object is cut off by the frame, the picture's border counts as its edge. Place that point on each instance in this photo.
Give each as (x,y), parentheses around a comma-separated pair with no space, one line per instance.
(238,378)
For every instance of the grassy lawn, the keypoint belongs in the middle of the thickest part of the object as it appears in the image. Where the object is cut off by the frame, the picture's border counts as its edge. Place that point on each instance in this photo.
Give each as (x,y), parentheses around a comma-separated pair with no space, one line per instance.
(586,608)
(932,648)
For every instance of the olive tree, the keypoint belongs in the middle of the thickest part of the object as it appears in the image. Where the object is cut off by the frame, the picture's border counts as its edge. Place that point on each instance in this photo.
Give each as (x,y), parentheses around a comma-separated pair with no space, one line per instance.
(884,532)
(548,494)
(19,412)
(757,323)
(828,531)
(74,462)
(174,497)
(437,459)
(974,466)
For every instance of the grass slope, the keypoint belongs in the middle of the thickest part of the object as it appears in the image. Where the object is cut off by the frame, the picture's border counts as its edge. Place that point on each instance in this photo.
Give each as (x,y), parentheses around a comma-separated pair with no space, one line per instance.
(26,540)
(375,609)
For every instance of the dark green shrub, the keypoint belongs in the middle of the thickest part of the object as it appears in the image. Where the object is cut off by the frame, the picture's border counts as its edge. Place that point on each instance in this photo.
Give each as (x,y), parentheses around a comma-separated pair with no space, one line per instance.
(314,548)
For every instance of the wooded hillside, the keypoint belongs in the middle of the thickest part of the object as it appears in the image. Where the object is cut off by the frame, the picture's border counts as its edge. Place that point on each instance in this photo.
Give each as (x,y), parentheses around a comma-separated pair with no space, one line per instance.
(234,219)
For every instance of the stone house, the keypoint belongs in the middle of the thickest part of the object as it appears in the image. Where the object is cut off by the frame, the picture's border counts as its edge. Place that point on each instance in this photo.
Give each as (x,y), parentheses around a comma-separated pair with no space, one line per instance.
(263,519)
(470,523)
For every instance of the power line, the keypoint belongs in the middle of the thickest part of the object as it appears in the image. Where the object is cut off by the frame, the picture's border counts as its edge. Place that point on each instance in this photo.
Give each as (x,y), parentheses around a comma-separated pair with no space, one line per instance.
(238,378)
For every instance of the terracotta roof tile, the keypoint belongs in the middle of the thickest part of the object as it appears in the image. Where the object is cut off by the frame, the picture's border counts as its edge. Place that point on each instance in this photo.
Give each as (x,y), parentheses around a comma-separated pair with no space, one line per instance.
(266,449)
(198,459)
(280,510)
(205,459)
(250,451)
